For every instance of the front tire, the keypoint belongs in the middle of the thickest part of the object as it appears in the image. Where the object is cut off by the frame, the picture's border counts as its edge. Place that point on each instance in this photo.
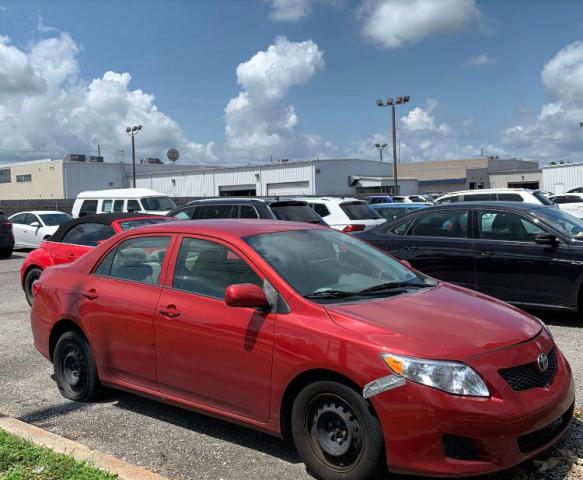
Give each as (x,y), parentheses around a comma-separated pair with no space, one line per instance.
(75,368)
(30,278)
(336,434)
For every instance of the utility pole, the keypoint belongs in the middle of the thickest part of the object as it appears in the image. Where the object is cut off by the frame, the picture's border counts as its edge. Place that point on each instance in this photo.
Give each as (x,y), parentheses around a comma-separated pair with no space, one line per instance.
(132,132)
(392,104)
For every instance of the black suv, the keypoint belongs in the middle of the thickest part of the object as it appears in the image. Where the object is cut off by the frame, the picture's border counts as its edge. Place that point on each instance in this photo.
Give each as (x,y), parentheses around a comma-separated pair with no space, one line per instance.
(6,237)
(277,208)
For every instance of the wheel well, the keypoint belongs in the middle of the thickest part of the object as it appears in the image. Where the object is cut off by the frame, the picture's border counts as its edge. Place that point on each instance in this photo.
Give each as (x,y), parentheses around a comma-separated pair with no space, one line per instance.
(298,383)
(58,330)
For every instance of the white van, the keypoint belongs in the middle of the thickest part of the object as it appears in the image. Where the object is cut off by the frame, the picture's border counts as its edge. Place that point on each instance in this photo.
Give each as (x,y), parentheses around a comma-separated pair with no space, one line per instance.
(141,200)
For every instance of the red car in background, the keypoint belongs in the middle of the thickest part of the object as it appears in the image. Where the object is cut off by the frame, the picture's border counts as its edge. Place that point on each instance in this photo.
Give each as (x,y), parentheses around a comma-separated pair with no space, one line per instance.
(74,239)
(302,331)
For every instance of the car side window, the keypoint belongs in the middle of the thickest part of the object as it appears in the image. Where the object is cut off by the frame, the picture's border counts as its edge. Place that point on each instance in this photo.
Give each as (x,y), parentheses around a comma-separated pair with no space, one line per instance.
(452,199)
(88,234)
(247,211)
(216,211)
(401,229)
(107,206)
(19,219)
(510,197)
(506,226)
(134,206)
(118,206)
(88,207)
(185,214)
(452,224)
(320,209)
(136,259)
(208,268)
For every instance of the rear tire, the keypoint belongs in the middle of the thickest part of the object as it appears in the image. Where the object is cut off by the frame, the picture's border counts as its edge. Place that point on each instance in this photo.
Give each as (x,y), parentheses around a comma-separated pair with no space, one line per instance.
(30,278)
(336,434)
(75,368)
(6,252)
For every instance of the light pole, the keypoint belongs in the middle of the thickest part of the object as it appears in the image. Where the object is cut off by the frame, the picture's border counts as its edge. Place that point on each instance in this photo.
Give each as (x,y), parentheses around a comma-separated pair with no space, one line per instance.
(132,132)
(381,147)
(391,103)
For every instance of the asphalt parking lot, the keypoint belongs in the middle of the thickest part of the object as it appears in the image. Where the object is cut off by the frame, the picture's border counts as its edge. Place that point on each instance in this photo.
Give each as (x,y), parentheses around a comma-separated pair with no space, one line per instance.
(181,444)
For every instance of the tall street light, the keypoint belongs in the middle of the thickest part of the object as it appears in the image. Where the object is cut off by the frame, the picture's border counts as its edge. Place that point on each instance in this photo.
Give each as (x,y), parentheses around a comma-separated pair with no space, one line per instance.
(381,147)
(132,132)
(391,103)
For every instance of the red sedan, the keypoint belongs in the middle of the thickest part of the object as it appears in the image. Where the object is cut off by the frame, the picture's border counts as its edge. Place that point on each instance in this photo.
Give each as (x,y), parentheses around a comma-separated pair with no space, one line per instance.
(74,239)
(304,332)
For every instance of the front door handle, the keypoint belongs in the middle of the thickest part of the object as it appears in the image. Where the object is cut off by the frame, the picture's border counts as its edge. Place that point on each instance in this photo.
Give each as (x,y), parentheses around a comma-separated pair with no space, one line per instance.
(409,249)
(91,294)
(170,311)
(485,253)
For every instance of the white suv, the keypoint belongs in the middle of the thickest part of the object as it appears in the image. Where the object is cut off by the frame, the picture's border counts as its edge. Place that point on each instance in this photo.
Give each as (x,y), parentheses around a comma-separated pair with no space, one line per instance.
(497,195)
(570,202)
(345,213)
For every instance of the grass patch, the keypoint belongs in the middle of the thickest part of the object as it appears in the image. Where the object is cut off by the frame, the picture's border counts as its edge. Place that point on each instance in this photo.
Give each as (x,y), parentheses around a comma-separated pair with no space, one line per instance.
(21,460)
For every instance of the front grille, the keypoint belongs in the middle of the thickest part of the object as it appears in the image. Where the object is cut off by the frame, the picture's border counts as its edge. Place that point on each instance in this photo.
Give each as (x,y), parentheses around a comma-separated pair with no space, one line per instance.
(460,448)
(525,377)
(537,439)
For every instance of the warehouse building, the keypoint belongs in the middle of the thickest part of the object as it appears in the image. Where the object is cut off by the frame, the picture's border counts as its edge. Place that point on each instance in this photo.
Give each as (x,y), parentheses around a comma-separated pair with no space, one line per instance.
(517,179)
(560,179)
(311,177)
(465,174)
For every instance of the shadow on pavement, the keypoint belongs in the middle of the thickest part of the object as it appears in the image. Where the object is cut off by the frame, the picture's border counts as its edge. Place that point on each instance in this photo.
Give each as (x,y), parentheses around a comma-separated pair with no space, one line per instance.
(560,319)
(52,412)
(220,429)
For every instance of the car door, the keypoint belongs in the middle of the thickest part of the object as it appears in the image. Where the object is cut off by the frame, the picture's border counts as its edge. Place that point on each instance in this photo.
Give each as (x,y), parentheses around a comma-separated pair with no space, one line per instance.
(438,243)
(19,226)
(207,352)
(117,303)
(512,267)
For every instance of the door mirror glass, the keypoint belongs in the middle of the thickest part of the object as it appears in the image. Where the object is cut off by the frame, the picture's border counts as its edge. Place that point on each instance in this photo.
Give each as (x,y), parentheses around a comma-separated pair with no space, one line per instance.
(546,239)
(245,295)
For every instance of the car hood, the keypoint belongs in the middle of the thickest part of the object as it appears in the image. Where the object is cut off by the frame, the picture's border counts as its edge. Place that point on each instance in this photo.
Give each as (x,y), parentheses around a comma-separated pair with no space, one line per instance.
(443,322)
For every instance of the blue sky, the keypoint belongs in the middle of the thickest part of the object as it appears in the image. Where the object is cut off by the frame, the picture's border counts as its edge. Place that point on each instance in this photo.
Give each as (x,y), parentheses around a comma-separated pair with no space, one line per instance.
(186,53)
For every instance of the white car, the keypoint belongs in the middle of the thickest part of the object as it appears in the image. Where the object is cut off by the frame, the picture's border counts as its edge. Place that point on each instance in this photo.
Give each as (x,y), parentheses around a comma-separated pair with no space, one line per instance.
(497,195)
(571,203)
(31,228)
(411,199)
(345,213)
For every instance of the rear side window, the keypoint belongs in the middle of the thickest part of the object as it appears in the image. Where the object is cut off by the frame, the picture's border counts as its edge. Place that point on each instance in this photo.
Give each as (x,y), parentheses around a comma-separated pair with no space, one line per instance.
(510,197)
(452,224)
(320,209)
(208,268)
(118,206)
(88,207)
(295,213)
(216,211)
(247,211)
(185,214)
(107,206)
(358,211)
(88,234)
(479,197)
(134,206)
(136,259)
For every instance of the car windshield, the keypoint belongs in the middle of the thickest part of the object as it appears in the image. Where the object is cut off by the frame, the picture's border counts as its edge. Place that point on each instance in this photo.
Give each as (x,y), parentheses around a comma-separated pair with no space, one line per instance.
(54,219)
(142,222)
(359,211)
(157,204)
(562,221)
(295,213)
(326,264)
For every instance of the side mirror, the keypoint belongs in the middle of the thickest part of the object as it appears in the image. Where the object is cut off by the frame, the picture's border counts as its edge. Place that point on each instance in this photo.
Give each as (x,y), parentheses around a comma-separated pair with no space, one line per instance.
(406,264)
(546,239)
(35,225)
(245,295)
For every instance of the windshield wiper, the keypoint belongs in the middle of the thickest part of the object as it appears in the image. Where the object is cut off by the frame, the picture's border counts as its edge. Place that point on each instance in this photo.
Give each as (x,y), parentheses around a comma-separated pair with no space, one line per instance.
(330,294)
(394,286)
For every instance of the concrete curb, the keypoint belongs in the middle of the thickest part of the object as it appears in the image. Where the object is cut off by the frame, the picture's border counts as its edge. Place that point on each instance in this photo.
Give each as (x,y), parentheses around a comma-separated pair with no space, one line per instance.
(38,436)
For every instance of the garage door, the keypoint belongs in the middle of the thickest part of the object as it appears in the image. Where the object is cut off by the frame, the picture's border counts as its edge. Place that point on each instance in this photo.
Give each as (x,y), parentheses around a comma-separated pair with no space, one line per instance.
(288,189)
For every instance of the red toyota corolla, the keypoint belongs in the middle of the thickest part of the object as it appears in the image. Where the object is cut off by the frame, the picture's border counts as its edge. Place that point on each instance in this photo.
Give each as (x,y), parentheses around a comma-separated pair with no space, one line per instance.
(74,239)
(303,331)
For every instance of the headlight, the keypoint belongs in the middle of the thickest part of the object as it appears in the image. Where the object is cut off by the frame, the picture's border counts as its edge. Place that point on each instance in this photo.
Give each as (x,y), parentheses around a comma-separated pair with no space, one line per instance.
(451,377)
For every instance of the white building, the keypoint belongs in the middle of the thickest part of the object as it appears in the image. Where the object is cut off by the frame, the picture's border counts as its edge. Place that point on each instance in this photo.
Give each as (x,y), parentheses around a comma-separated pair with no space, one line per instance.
(311,177)
(516,179)
(560,179)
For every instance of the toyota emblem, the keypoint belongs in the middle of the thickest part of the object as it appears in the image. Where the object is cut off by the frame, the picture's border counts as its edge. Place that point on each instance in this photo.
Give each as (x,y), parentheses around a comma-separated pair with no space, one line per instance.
(542,362)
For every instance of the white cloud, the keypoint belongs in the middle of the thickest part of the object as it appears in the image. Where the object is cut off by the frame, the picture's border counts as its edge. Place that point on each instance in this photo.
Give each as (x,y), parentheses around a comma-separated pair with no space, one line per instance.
(290,10)
(259,122)
(395,23)
(419,119)
(480,60)
(554,133)
(46,108)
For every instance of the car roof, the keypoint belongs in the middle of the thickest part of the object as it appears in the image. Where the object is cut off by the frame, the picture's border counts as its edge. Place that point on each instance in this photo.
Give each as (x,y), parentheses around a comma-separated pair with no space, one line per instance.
(233,228)
(39,212)
(490,190)
(241,200)
(492,204)
(338,200)
(402,205)
(119,193)
(103,218)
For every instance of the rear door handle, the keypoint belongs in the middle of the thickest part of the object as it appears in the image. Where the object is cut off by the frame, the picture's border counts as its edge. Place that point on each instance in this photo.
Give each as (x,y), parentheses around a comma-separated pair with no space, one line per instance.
(90,294)
(409,249)
(485,253)
(170,311)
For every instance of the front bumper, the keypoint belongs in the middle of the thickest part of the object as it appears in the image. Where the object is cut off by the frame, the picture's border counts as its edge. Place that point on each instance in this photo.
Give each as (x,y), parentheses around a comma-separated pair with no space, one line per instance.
(502,431)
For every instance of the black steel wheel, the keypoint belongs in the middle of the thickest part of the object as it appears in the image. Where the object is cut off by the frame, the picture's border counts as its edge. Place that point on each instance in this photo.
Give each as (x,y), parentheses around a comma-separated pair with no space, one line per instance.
(75,369)
(29,280)
(336,433)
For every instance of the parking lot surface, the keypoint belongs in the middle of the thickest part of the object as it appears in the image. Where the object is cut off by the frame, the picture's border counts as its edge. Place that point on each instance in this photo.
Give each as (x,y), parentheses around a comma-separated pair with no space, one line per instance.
(181,444)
